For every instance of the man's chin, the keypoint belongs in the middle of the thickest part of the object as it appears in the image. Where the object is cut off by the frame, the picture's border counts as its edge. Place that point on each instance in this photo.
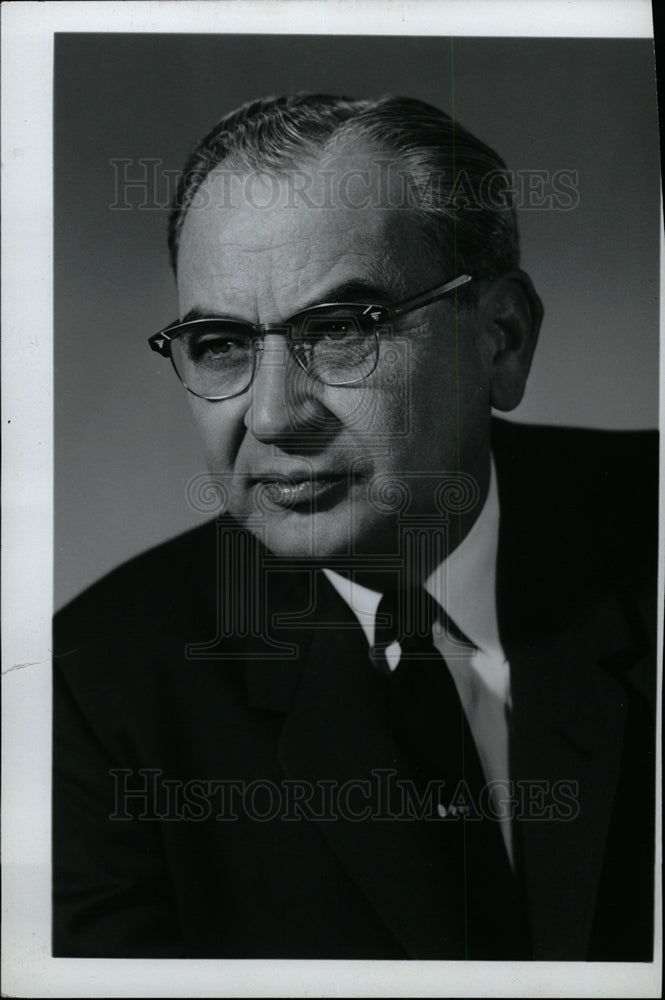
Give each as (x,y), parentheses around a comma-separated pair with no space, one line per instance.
(319,536)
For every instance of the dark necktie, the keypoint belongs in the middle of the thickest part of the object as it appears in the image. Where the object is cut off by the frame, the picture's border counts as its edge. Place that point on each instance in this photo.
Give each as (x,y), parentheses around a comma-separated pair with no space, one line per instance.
(428,723)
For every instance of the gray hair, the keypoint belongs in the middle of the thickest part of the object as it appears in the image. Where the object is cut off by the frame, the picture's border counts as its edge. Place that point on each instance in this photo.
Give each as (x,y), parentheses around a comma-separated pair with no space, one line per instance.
(457,185)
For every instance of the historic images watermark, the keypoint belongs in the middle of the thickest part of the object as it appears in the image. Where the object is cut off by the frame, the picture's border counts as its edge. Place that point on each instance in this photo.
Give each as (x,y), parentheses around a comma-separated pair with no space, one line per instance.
(147,795)
(146,184)
(416,542)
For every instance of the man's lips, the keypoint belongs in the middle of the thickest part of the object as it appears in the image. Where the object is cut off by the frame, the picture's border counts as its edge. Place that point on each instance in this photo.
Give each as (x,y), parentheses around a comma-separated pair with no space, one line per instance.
(300,488)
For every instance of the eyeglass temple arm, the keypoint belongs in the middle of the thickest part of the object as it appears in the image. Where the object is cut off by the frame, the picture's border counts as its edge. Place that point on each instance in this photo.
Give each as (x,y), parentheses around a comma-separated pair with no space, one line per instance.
(428,297)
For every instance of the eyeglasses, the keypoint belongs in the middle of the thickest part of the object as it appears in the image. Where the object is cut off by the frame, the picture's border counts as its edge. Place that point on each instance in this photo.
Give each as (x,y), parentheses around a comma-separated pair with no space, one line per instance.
(336,343)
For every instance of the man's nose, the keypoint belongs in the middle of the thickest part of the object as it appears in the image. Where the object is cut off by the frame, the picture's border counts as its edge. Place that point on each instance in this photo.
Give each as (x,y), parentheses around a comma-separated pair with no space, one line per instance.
(284,400)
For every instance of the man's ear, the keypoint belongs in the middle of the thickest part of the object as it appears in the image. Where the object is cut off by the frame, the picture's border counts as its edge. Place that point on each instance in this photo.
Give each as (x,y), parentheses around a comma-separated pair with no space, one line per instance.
(510,313)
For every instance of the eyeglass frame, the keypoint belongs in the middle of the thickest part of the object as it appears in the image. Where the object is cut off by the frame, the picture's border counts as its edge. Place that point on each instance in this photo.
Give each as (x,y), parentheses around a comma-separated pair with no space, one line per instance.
(161,342)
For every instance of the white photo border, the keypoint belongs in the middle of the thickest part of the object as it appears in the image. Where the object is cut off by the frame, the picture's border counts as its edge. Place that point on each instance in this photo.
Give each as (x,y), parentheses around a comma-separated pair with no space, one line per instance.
(27,505)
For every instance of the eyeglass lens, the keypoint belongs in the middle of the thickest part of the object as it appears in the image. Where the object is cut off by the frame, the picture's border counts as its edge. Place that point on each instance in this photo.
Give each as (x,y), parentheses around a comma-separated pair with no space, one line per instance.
(218,359)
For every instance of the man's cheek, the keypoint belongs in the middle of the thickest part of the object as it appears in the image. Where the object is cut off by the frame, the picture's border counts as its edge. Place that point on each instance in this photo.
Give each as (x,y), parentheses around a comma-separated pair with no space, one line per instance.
(220,434)
(378,409)
(219,458)
(380,418)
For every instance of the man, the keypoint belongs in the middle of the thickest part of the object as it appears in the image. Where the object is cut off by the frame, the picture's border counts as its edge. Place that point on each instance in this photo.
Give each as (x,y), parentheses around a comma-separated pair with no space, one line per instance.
(393,701)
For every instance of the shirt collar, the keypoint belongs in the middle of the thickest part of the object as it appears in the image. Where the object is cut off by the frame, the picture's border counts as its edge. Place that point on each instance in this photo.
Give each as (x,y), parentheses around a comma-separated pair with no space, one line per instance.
(464,583)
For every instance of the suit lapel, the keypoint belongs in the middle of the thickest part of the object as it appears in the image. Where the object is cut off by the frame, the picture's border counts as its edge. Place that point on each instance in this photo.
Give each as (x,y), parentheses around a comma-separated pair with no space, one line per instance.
(336,732)
(559,631)
(566,741)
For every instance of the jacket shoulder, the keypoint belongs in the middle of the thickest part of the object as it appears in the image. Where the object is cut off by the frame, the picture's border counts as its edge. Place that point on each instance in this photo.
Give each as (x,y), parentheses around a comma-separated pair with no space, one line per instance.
(579,533)
(586,450)
(147,585)
(592,491)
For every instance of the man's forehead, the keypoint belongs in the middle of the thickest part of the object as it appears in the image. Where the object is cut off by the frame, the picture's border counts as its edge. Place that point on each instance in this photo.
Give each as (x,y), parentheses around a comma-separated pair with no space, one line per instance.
(348,191)
(331,178)
(328,221)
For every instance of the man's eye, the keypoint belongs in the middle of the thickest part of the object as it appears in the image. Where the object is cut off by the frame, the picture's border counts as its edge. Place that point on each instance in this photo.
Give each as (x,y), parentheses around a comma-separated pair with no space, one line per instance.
(331,328)
(217,347)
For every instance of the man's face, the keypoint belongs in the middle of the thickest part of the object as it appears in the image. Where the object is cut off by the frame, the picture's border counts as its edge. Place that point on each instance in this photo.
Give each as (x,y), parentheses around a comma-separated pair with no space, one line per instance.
(309,467)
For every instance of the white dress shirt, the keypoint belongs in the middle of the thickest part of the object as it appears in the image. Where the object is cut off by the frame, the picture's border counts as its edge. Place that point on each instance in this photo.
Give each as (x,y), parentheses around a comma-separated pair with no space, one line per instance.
(465,585)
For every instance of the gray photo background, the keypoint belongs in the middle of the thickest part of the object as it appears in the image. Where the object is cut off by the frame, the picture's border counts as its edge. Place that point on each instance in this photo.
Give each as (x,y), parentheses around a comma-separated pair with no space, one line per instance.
(125,443)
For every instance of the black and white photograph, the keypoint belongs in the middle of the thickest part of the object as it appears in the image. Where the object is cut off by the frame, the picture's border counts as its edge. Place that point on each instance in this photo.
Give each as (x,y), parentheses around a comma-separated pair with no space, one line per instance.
(353,616)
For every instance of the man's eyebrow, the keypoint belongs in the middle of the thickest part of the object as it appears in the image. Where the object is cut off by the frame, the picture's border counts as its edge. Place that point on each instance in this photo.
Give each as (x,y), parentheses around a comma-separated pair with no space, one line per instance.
(346,291)
(356,291)
(352,291)
(197,313)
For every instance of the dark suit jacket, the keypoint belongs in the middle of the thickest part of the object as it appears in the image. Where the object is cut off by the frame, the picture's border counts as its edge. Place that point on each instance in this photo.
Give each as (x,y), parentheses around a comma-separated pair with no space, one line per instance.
(203,662)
